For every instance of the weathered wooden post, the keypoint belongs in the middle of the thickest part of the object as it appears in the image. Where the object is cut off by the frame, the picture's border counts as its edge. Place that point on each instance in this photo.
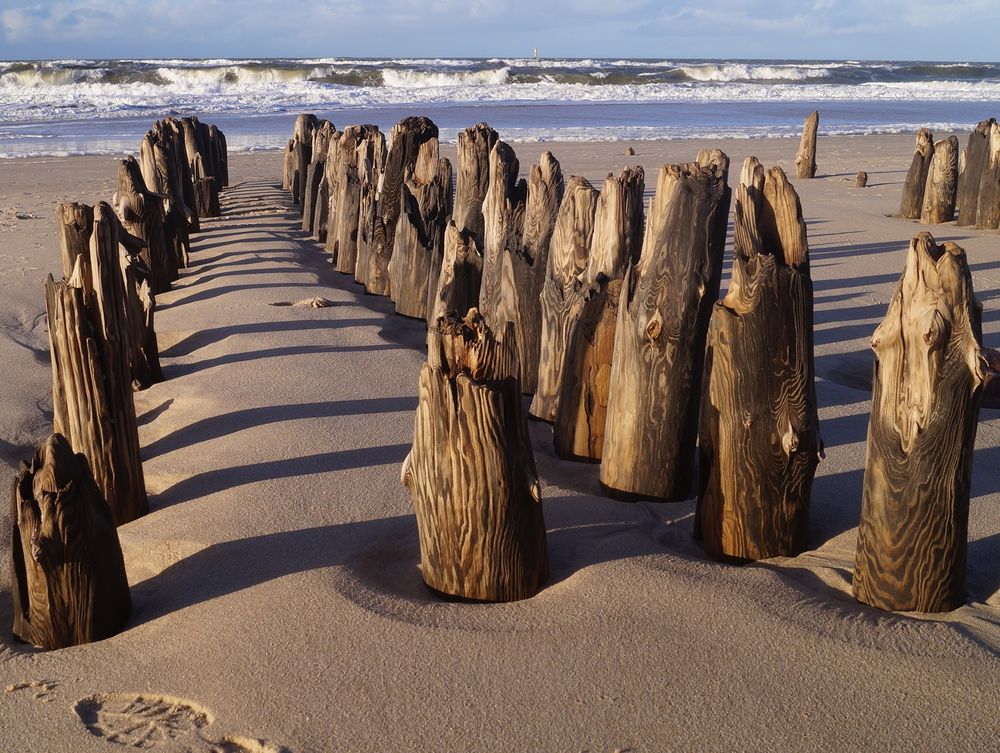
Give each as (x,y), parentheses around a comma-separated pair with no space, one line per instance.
(805,159)
(974,160)
(524,276)
(141,212)
(666,303)
(155,164)
(419,246)
(988,206)
(503,218)
(471,472)
(942,182)
(68,575)
(288,166)
(582,405)
(759,430)
(457,288)
(370,154)
(568,253)
(305,124)
(409,138)
(916,177)
(76,223)
(861,179)
(928,382)
(314,174)
(473,177)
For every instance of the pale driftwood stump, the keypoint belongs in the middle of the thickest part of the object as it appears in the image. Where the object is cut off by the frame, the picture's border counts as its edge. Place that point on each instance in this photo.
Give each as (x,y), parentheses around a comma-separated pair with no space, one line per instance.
(68,575)
(942,182)
(171,133)
(805,159)
(409,139)
(592,301)
(759,430)
(160,162)
(916,177)
(288,165)
(75,223)
(141,212)
(473,176)
(568,253)
(928,383)
(371,155)
(419,246)
(503,218)
(666,303)
(302,135)
(974,159)
(521,285)
(457,288)
(471,472)
(988,206)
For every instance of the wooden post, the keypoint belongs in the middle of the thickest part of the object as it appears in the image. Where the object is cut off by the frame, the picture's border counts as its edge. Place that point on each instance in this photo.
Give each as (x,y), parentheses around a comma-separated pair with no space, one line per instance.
(344,173)
(288,169)
(156,164)
(568,252)
(473,176)
(975,157)
(805,159)
(314,174)
(861,179)
(916,177)
(582,405)
(141,212)
(759,431)
(988,206)
(409,138)
(521,287)
(503,216)
(666,303)
(939,193)
(68,575)
(471,472)
(172,131)
(305,124)
(370,155)
(928,383)
(419,245)
(457,288)
(76,223)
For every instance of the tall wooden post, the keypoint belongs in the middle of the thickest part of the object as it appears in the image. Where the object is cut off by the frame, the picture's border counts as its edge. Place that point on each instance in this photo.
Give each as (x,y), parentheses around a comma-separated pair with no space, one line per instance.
(942,182)
(457,288)
(988,205)
(503,217)
(916,177)
(141,212)
(666,303)
(473,177)
(805,159)
(371,155)
(759,429)
(974,161)
(928,385)
(471,472)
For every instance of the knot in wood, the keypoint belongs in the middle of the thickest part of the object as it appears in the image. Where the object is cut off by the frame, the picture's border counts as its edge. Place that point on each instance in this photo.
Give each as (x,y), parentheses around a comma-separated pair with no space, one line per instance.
(654,327)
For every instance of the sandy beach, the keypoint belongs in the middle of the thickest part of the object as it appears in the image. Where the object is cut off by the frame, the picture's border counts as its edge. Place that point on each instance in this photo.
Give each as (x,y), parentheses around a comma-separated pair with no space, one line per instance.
(275,584)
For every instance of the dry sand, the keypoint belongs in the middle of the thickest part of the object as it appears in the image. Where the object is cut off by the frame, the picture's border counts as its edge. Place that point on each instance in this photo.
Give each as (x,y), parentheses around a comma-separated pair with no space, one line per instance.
(275,582)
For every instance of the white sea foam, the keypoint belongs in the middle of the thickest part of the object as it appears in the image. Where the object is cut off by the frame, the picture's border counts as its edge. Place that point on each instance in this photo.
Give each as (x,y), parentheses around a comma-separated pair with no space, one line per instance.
(407,79)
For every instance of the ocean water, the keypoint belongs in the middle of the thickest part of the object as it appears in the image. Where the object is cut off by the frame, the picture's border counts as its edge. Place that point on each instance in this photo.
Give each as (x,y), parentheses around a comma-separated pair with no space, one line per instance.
(104,106)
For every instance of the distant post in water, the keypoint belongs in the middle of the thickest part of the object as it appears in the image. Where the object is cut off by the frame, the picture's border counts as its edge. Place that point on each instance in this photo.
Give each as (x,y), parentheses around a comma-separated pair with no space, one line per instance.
(916,177)
(471,472)
(759,428)
(928,385)
(805,160)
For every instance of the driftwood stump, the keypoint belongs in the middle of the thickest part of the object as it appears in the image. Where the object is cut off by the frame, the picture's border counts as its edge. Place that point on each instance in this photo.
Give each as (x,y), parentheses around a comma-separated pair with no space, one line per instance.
(457,288)
(928,382)
(805,159)
(503,218)
(141,212)
(315,174)
(75,223)
(568,253)
(413,154)
(305,124)
(861,179)
(973,162)
(471,472)
(473,177)
(759,429)
(68,575)
(521,284)
(666,303)
(288,165)
(942,182)
(988,205)
(370,156)
(916,177)
(593,299)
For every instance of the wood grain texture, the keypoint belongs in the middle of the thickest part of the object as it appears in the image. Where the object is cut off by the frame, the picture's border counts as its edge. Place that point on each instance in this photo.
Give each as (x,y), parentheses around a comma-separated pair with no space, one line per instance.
(503,216)
(916,177)
(593,299)
(471,472)
(161,159)
(75,223)
(521,286)
(141,212)
(988,204)
(974,159)
(568,252)
(68,579)
(666,303)
(473,176)
(302,133)
(942,182)
(402,163)
(805,158)
(344,175)
(928,383)
(461,274)
(371,155)
(759,428)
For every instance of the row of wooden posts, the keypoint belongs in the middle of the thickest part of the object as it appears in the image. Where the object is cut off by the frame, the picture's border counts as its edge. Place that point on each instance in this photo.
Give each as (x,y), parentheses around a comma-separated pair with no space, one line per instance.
(68,574)
(610,320)
(941,182)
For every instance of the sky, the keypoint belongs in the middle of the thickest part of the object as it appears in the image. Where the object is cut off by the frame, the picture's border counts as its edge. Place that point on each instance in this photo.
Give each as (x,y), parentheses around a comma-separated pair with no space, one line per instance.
(792,29)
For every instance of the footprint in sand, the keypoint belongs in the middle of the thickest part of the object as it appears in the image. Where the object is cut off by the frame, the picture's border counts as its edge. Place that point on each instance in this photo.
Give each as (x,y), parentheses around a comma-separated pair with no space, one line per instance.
(41,689)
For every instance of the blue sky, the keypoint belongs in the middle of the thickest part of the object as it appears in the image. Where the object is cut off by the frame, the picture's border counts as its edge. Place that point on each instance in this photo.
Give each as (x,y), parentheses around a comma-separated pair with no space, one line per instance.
(838,29)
